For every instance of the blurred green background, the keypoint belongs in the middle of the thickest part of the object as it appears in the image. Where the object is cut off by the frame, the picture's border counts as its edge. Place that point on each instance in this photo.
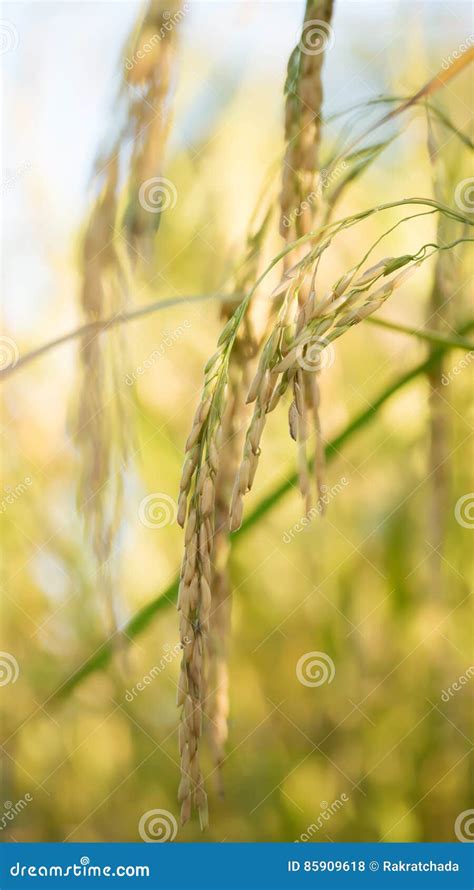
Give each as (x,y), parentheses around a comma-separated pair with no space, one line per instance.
(357,584)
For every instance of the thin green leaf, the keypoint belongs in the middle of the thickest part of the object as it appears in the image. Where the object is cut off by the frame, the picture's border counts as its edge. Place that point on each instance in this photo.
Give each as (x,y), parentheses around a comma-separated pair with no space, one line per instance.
(423,334)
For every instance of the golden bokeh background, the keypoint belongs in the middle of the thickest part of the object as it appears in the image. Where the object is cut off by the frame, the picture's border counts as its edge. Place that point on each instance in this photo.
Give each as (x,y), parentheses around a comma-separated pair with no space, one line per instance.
(358,584)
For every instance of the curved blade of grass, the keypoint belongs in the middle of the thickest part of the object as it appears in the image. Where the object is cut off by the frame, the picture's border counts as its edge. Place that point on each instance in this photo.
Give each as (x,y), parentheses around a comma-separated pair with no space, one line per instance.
(102,325)
(422,333)
(140,621)
(441,78)
(393,100)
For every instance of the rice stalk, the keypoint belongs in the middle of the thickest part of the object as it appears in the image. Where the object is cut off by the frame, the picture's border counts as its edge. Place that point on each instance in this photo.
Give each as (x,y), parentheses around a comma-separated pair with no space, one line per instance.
(304,97)
(283,363)
(145,615)
(200,468)
(234,421)
(205,590)
(102,422)
(100,429)
(353,298)
(301,179)
(147,88)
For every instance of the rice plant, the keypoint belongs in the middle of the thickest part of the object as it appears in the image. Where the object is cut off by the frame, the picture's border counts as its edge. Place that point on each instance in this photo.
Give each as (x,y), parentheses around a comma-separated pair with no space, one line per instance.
(280,322)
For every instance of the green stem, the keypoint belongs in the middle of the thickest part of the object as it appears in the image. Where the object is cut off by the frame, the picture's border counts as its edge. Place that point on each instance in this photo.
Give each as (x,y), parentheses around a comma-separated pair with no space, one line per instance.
(423,334)
(143,617)
(102,325)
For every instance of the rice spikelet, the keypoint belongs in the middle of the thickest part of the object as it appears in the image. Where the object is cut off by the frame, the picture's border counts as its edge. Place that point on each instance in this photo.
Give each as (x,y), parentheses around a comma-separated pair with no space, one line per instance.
(301,170)
(287,349)
(212,457)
